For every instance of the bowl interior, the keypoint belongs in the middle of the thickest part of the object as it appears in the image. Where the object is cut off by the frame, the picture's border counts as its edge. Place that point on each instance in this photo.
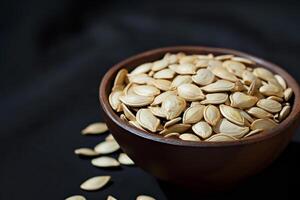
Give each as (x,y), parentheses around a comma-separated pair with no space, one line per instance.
(132,62)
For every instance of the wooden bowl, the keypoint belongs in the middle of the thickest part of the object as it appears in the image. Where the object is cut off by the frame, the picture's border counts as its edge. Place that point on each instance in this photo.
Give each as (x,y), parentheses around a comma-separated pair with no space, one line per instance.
(211,165)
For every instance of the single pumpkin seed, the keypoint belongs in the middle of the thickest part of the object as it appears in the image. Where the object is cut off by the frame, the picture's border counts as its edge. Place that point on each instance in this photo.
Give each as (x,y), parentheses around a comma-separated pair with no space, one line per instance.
(76,197)
(189,137)
(241,100)
(159,65)
(185,68)
(178,128)
(141,69)
(120,77)
(221,137)
(281,81)
(173,106)
(264,124)
(158,99)
(288,94)
(263,73)
(223,73)
(110,137)
(253,132)
(202,129)
(203,77)
(140,78)
(224,57)
(181,79)
(227,127)
(187,59)
(215,98)
(124,159)
(146,90)
(158,111)
(219,86)
(129,115)
(190,92)
(271,90)
(176,135)
(107,147)
(193,114)
(199,63)
(164,74)
(171,58)
(275,98)
(144,197)
(95,183)
(234,67)
(114,100)
(105,161)
(232,114)
(136,100)
(95,128)
(172,122)
(161,84)
(269,105)
(259,113)
(243,60)
(211,115)
(284,112)
(86,152)
(147,120)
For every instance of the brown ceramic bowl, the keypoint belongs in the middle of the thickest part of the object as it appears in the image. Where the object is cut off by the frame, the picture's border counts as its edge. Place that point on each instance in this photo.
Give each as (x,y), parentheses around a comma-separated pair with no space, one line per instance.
(209,165)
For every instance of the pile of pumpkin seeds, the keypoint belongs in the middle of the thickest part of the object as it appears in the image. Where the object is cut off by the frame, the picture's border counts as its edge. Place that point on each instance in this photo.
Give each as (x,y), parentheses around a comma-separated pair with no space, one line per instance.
(201,97)
(108,146)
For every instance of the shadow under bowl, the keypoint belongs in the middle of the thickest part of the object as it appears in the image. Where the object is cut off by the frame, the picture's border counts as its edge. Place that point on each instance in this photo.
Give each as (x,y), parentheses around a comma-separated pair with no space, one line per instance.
(210,166)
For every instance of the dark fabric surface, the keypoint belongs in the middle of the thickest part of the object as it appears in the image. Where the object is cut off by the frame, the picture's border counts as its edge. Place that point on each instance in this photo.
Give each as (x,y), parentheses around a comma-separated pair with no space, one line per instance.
(54,53)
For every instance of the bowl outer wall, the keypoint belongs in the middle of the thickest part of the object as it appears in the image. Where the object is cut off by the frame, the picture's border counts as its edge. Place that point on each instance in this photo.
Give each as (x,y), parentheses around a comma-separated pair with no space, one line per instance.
(208,164)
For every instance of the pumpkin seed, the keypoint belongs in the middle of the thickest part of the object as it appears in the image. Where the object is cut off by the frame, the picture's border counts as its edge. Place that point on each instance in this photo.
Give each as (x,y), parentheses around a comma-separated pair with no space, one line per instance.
(203,77)
(199,63)
(136,100)
(173,106)
(158,111)
(147,120)
(284,112)
(124,159)
(241,100)
(95,128)
(172,135)
(110,137)
(263,73)
(288,94)
(234,67)
(223,73)
(219,86)
(179,80)
(187,59)
(242,60)
(189,137)
(114,101)
(161,84)
(144,197)
(95,183)
(185,68)
(215,98)
(253,132)
(140,78)
(232,114)
(269,105)
(202,129)
(193,114)
(246,116)
(271,90)
(224,57)
(171,58)
(276,98)
(248,77)
(105,161)
(107,147)
(190,92)
(259,113)
(172,122)
(111,198)
(76,197)
(179,128)
(281,81)
(159,65)
(129,115)
(211,115)
(141,69)
(86,152)
(264,124)
(164,74)
(158,99)
(120,77)
(221,137)
(225,126)
(146,90)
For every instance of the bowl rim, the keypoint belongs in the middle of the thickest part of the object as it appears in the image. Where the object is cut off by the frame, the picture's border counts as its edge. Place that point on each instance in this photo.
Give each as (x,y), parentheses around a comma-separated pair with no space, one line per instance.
(109,75)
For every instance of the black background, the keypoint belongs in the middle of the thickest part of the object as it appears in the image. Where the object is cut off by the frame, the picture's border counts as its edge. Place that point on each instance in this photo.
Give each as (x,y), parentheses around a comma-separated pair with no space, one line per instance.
(54,53)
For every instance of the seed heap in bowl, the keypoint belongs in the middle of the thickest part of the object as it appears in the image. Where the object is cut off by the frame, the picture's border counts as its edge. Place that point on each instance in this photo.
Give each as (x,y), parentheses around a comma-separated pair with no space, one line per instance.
(201,97)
